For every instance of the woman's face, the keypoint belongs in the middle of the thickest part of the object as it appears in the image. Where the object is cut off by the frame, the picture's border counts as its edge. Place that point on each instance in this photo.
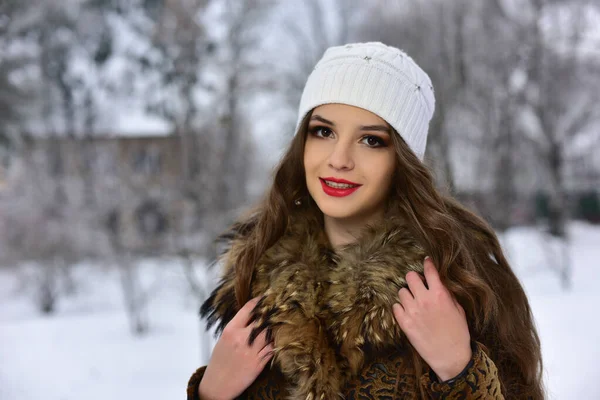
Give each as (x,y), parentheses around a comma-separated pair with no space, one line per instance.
(349,161)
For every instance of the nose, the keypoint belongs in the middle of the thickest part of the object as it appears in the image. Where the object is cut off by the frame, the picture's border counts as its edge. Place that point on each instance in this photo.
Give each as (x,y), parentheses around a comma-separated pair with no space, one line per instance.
(341,157)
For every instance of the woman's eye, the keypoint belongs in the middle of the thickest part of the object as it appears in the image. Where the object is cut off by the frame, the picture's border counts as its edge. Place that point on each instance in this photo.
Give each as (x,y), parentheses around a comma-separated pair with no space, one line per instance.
(321,131)
(373,141)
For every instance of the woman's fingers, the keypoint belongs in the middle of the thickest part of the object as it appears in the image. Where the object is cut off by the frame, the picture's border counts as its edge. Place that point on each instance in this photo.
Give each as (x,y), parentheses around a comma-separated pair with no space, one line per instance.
(234,363)
(261,339)
(405,296)
(260,346)
(398,311)
(416,283)
(431,274)
(266,352)
(240,320)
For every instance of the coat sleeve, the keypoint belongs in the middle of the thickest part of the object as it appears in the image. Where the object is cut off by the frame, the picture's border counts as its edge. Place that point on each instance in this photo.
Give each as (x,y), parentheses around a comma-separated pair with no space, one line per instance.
(193,383)
(479,380)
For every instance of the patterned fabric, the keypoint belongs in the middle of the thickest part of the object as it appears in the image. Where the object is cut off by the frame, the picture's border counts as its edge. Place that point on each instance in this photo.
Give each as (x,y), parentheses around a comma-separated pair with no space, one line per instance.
(481,381)
(385,378)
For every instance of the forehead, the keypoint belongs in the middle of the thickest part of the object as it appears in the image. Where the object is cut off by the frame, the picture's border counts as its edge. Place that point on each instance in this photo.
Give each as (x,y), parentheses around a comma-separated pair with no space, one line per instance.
(345,114)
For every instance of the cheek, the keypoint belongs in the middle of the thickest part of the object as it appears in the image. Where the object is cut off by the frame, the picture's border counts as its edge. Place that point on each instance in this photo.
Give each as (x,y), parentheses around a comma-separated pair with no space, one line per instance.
(307,162)
(311,156)
(384,177)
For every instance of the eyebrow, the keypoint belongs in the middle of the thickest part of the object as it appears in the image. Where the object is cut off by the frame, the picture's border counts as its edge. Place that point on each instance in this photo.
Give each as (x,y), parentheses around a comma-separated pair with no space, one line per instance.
(379,128)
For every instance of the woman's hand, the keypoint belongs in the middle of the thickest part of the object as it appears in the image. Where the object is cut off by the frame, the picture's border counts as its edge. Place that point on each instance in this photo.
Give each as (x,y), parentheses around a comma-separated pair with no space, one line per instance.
(234,364)
(434,323)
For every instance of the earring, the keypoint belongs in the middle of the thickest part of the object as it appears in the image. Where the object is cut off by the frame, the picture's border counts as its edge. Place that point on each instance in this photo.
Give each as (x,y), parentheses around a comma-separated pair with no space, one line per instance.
(298,202)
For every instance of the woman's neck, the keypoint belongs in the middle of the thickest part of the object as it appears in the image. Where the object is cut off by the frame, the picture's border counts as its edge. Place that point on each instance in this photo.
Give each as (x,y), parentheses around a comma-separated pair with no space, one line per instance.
(341,232)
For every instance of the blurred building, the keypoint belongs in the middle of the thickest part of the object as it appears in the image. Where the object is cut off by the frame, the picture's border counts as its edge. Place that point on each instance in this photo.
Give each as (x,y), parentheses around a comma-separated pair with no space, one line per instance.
(2,177)
(129,187)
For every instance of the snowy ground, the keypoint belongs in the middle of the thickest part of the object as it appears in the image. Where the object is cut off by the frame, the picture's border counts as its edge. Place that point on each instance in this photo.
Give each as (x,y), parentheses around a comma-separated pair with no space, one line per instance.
(86,350)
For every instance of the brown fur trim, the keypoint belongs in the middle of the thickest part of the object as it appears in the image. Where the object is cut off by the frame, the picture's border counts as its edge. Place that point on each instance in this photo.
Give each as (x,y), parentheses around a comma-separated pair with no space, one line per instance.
(326,311)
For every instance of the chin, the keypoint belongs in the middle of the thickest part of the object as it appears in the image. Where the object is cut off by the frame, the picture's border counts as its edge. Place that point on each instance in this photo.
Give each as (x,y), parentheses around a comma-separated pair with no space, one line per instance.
(333,209)
(337,214)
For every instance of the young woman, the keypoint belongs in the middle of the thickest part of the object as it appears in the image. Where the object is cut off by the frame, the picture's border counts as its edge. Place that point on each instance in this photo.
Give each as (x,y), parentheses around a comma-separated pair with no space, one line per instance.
(355,278)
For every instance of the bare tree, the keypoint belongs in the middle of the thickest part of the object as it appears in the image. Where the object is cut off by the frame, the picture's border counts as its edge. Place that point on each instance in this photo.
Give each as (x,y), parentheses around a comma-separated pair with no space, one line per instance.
(13,97)
(311,27)
(241,45)
(491,95)
(440,49)
(563,91)
(12,100)
(44,232)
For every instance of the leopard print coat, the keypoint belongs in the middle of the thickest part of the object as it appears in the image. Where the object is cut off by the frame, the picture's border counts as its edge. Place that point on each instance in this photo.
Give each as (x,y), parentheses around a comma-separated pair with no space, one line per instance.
(330,317)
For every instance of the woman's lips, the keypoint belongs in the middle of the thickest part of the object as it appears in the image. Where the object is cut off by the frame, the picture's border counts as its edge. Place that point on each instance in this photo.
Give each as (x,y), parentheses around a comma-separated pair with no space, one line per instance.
(336,192)
(338,180)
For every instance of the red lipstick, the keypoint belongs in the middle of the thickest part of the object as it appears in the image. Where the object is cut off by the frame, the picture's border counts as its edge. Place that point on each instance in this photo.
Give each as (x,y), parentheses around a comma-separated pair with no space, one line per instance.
(337,180)
(337,192)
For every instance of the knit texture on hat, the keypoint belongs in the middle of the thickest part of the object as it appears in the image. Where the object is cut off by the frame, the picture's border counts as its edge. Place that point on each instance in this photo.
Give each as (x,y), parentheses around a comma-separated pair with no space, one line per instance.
(378,78)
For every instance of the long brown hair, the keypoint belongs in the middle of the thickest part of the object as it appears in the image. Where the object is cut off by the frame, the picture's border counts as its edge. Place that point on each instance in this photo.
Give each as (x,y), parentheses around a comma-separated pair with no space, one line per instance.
(462,245)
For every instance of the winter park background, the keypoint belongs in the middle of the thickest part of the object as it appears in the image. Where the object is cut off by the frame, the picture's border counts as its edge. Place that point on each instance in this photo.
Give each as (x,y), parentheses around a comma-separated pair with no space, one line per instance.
(133,131)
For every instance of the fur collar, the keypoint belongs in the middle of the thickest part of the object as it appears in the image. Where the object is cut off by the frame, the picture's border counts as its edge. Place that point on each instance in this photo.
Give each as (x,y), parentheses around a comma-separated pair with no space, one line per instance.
(326,311)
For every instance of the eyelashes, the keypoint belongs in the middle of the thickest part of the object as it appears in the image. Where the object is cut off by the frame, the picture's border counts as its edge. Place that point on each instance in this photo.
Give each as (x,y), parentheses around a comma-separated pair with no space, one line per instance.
(323,132)
(316,129)
(379,142)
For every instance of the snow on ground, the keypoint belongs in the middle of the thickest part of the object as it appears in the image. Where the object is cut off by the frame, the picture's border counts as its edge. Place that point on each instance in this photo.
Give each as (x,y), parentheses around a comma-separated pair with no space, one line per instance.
(567,321)
(86,349)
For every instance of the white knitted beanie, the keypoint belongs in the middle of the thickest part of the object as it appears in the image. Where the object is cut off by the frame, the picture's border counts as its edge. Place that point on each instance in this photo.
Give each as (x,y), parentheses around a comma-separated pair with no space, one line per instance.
(378,78)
